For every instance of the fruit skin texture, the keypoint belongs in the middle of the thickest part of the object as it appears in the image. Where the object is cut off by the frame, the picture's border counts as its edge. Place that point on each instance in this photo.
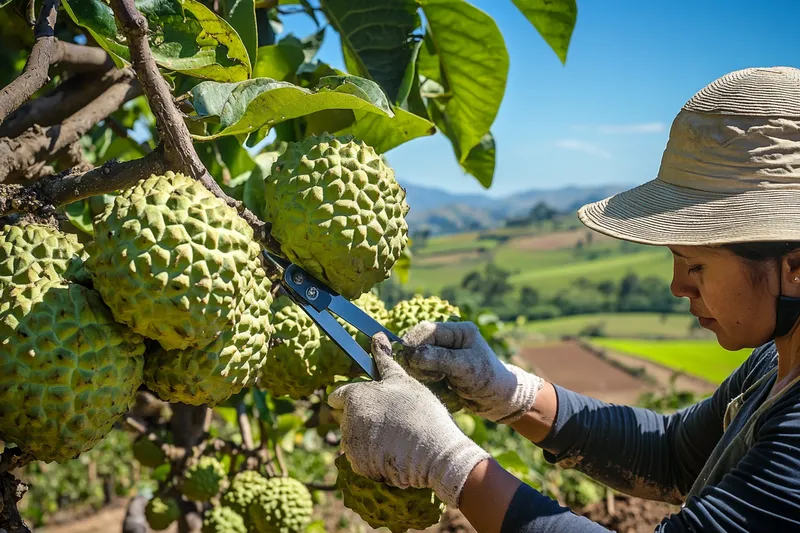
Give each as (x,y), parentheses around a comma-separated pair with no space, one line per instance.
(147,452)
(408,313)
(203,479)
(171,260)
(338,212)
(234,360)
(293,366)
(68,370)
(383,505)
(284,507)
(160,514)
(30,252)
(245,487)
(223,520)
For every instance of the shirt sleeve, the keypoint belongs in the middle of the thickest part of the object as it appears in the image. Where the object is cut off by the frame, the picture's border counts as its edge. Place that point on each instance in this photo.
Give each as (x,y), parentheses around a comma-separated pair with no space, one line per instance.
(639,451)
(760,495)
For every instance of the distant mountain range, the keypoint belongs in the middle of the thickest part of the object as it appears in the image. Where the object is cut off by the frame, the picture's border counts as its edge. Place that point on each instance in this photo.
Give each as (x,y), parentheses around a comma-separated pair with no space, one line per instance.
(444,212)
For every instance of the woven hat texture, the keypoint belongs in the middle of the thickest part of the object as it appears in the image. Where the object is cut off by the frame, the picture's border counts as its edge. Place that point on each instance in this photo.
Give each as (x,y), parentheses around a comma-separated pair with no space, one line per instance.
(730,171)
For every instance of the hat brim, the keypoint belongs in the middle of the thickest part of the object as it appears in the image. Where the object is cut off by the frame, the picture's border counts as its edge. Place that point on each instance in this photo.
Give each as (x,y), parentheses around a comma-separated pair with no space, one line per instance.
(659,213)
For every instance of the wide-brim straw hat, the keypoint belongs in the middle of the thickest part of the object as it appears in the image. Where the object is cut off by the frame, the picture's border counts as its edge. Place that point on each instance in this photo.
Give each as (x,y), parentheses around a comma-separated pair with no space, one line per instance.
(730,171)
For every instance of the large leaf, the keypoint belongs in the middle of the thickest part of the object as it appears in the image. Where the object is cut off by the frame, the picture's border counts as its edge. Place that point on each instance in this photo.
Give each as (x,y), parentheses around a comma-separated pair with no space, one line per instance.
(279,61)
(473,64)
(377,38)
(553,19)
(184,36)
(244,107)
(242,16)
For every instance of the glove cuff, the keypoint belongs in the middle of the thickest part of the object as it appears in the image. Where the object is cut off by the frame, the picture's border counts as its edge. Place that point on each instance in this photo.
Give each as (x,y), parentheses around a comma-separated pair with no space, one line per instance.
(521,395)
(453,468)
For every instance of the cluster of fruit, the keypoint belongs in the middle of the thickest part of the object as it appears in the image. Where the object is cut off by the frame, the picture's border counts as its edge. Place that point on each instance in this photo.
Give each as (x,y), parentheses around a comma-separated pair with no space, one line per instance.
(170,293)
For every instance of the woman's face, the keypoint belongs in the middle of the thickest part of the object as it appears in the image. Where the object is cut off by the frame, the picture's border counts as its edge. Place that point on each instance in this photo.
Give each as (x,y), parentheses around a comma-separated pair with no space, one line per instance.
(725,295)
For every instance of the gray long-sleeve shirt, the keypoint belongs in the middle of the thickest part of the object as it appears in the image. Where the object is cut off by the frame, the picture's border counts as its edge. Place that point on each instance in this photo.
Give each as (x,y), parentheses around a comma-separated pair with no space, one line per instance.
(654,456)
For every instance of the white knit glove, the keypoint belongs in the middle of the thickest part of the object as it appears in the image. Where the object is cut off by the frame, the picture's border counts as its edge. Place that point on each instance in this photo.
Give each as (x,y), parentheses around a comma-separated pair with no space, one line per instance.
(396,431)
(457,353)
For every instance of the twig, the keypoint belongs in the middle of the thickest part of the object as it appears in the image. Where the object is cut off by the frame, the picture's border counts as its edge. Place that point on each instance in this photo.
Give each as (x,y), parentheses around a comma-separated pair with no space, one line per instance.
(244,426)
(321,486)
(13,458)
(18,155)
(80,58)
(66,99)
(279,458)
(35,74)
(11,491)
(173,132)
(61,189)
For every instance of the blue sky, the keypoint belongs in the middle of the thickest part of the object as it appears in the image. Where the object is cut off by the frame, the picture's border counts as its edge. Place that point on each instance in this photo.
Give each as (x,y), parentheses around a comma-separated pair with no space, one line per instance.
(603,117)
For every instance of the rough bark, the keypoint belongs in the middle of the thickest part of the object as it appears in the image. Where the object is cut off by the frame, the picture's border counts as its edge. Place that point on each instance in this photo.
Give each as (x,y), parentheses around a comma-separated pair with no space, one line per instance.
(35,74)
(65,100)
(20,155)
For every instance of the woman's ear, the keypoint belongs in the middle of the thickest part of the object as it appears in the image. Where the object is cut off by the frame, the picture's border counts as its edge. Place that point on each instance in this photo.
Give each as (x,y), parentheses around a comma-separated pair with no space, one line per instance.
(790,270)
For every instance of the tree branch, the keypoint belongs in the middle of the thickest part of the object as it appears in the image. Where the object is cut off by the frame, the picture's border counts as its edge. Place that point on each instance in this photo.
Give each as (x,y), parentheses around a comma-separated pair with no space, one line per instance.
(65,100)
(19,156)
(80,58)
(35,74)
(61,189)
(174,133)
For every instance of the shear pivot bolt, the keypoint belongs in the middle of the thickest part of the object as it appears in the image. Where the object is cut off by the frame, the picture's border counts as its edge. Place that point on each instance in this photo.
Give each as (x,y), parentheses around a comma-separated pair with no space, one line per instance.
(298,278)
(312,293)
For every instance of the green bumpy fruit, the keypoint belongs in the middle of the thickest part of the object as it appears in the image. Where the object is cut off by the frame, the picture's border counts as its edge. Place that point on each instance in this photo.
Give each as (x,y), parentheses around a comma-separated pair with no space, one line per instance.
(30,252)
(203,479)
(335,361)
(245,487)
(382,505)
(338,212)
(408,313)
(148,453)
(223,520)
(68,371)
(293,364)
(161,513)
(284,507)
(172,260)
(233,361)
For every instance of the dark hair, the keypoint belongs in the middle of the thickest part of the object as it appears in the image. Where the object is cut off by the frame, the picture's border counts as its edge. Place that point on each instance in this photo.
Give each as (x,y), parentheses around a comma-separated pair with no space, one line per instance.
(760,253)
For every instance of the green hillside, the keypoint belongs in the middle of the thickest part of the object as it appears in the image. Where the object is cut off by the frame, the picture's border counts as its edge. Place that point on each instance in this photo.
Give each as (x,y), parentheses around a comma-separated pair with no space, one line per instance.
(628,325)
(702,358)
(548,261)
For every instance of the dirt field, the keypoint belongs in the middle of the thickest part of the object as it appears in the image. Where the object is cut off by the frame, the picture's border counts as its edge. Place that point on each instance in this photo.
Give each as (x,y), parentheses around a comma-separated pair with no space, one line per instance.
(552,241)
(575,368)
(447,258)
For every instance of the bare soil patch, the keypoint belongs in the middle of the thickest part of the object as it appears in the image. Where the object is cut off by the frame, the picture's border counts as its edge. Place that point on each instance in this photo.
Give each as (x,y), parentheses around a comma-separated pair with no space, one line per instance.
(553,241)
(573,367)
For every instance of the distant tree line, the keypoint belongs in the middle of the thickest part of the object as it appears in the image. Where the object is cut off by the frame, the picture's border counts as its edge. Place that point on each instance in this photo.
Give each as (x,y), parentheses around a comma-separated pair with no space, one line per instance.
(491,289)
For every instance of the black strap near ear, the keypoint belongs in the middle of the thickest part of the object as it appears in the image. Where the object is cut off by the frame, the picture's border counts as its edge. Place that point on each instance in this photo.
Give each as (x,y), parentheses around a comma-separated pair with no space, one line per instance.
(787,313)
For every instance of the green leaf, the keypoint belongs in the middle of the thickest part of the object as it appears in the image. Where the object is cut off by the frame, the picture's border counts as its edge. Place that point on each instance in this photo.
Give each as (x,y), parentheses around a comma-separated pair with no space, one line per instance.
(510,460)
(242,16)
(377,38)
(246,106)
(80,216)
(481,160)
(553,19)
(255,195)
(278,61)
(473,65)
(184,36)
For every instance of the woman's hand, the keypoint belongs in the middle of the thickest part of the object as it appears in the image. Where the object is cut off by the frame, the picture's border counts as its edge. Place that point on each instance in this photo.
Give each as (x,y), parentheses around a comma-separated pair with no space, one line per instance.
(456,352)
(396,431)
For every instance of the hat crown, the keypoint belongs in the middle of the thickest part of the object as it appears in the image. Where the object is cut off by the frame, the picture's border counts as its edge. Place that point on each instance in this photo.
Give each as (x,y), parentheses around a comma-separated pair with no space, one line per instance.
(764,91)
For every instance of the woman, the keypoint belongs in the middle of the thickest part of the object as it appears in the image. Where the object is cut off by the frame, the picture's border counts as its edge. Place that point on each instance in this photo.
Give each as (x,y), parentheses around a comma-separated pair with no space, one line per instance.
(726,202)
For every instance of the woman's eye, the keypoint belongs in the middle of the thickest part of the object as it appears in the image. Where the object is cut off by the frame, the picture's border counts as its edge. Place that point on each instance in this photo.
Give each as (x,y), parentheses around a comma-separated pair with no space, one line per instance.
(695,269)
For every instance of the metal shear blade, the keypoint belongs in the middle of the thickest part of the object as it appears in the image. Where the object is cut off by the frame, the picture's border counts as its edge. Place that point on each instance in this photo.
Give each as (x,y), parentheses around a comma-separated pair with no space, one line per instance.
(318,301)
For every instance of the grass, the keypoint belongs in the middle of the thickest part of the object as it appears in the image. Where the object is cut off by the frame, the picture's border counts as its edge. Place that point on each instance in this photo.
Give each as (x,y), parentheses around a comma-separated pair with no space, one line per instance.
(702,358)
(627,325)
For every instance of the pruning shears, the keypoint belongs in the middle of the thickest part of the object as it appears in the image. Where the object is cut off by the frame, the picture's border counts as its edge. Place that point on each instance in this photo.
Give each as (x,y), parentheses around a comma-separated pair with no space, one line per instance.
(319,301)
